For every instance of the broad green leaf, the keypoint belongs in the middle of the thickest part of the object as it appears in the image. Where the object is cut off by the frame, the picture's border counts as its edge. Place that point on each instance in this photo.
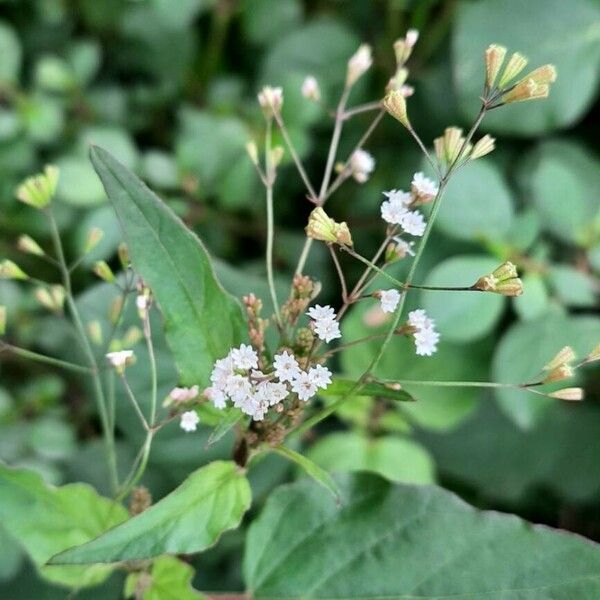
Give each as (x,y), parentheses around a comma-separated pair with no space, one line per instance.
(561,178)
(506,464)
(202,321)
(512,23)
(340,387)
(313,470)
(525,348)
(78,185)
(454,312)
(10,51)
(190,519)
(573,287)
(11,557)
(47,520)
(399,541)
(169,579)
(394,458)
(534,301)
(264,21)
(477,204)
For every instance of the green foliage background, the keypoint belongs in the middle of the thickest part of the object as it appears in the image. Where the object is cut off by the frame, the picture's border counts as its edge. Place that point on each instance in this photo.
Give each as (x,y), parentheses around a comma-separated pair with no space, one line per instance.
(169,88)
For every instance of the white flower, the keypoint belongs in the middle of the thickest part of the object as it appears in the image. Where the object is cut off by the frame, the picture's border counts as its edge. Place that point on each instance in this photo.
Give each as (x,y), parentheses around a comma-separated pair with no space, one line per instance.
(310,88)
(412,35)
(286,366)
(142,303)
(398,197)
(419,319)
(327,330)
(270,99)
(238,388)
(222,369)
(120,359)
(423,187)
(389,300)
(277,392)
(216,396)
(189,421)
(413,222)
(320,376)
(392,212)
(244,357)
(304,386)
(319,313)
(361,165)
(359,62)
(183,394)
(426,341)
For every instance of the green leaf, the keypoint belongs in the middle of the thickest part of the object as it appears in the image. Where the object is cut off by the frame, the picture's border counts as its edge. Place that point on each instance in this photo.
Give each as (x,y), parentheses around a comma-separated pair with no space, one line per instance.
(313,470)
(10,51)
(402,541)
(264,21)
(477,204)
(341,387)
(228,422)
(170,579)
(525,348)
(534,301)
(47,520)
(202,321)
(190,519)
(562,179)
(573,287)
(394,458)
(454,311)
(512,23)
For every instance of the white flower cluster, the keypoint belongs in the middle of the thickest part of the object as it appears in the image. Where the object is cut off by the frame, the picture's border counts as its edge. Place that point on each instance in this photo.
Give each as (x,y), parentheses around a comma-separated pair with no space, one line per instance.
(426,337)
(237,378)
(395,211)
(389,300)
(325,322)
(424,187)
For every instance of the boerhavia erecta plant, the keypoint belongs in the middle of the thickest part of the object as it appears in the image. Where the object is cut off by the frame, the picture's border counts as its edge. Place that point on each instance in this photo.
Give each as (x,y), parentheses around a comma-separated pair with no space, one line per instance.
(261,368)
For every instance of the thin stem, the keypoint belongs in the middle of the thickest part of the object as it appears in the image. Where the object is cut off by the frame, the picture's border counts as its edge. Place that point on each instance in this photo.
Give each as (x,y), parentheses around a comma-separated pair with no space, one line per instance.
(136,474)
(340,273)
(134,402)
(373,266)
(421,145)
(153,370)
(368,338)
(42,358)
(361,108)
(295,156)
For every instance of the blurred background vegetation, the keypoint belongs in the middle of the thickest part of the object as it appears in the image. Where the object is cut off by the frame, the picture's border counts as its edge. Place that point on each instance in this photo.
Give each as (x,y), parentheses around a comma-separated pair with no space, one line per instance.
(170,88)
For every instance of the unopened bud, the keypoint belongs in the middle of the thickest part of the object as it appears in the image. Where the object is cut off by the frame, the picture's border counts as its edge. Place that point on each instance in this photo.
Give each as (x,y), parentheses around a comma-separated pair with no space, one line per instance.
(116,307)
(28,245)
(559,373)
(132,336)
(324,228)
(94,237)
(484,146)
(123,253)
(252,151)
(504,280)
(270,100)
(494,57)
(543,75)
(510,287)
(276,155)
(573,394)
(516,63)
(395,104)
(358,64)
(38,191)
(412,35)
(95,331)
(506,270)
(453,142)
(51,298)
(526,90)
(2,320)
(564,356)
(102,270)
(10,270)
(310,88)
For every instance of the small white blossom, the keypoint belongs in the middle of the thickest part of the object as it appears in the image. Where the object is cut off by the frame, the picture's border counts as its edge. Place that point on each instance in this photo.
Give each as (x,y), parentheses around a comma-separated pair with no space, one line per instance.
(327,330)
(286,366)
(270,99)
(423,187)
(359,63)
(319,313)
(310,88)
(238,388)
(184,394)
(320,376)
(120,359)
(361,165)
(412,35)
(426,341)
(217,397)
(142,303)
(413,222)
(244,357)
(304,386)
(419,319)
(398,197)
(392,212)
(222,369)
(389,300)
(189,421)
(277,392)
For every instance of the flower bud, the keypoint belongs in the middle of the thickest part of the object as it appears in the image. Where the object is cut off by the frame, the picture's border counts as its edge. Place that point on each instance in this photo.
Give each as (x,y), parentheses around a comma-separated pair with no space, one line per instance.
(510,287)
(359,64)
(270,100)
(412,35)
(361,165)
(564,356)
(506,270)
(395,104)
(571,394)
(10,270)
(324,228)
(2,320)
(504,280)
(252,151)
(310,89)
(114,312)
(95,331)
(51,298)
(494,57)
(102,270)
(38,191)
(484,146)
(559,373)
(123,252)
(516,63)
(276,155)
(543,75)
(526,90)
(132,336)
(121,359)
(28,245)
(94,237)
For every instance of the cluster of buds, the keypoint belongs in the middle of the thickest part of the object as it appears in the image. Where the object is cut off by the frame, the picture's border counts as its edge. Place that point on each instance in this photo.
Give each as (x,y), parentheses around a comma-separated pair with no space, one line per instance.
(324,228)
(504,280)
(561,366)
(500,87)
(38,191)
(397,250)
(451,147)
(271,101)
(51,297)
(304,289)
(256,325)
(403,49)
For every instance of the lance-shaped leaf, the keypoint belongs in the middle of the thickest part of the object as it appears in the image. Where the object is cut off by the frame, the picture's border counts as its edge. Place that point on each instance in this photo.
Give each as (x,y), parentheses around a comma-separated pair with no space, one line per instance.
(46,520)
(390,390)
(210,501)
(202,321)
(408,542)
